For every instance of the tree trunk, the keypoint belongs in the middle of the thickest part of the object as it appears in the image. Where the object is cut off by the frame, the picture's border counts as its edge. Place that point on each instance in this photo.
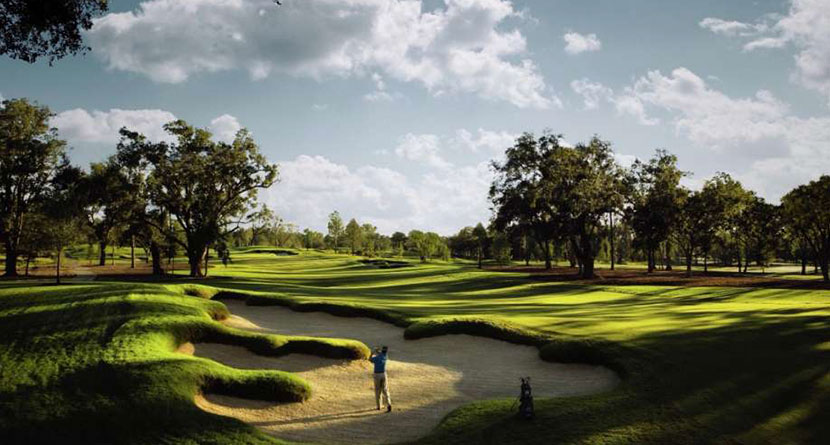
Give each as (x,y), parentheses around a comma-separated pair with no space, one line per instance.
(155,253)
(547,254)
(195,256)
(689,256)
(207,256)
(102,253)
(668,255)
(112,255)
(479,256)
(11,258)
(28,260)
(58,266)
(803,262)
(650,260)
(705,263)
(586,257)
(132,252)
(611,237)
(825,270)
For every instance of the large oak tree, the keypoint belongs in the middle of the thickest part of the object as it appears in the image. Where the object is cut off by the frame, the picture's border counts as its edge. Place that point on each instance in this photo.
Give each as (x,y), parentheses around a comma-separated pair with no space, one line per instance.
(207,186)
(30,155)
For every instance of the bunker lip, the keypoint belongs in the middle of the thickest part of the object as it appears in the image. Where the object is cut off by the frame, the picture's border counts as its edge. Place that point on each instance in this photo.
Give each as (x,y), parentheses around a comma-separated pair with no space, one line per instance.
(428,378)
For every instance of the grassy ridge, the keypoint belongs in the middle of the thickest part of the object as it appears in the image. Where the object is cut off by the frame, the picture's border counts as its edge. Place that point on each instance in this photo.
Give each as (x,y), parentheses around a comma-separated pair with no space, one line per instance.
(72,356)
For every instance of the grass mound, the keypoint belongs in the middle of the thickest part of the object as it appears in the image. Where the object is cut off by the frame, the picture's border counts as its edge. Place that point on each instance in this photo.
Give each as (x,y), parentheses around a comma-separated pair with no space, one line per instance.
(337,309)
(73,354)
(386,264)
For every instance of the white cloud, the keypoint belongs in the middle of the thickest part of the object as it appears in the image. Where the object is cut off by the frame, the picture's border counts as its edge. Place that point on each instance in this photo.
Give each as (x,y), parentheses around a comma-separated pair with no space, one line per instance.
(576,43)
(224,128)
(319,107)
(79,125)
(595,93)
(484,141)
(708,116)
(422,148)
(807,27)
(380,94)
(731,27)
(443,201)
(592,92)
(462,47)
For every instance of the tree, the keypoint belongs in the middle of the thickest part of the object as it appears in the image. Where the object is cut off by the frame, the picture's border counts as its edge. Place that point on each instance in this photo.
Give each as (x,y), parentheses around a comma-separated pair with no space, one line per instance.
(204,184)
(110,199)
(371,239)
(312,239)
(46,28)
(63,210)
(30,154)
(806,210)
(353,235)
(656,198)
(584,183)
(425,244)
(481,239)
(335,227)
(263,221)
(519,195)
(399,242)
(764,231)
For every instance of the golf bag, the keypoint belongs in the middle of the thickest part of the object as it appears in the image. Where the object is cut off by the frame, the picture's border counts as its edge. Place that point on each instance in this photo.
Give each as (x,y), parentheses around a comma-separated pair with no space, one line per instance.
(526,399)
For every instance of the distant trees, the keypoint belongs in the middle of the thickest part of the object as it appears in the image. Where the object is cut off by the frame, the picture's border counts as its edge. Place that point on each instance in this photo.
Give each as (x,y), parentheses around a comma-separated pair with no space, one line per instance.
(656,197)
(806,210)
(30,156)
(336,229)
(427,245)
(109,201)
(63,209)
(353,235)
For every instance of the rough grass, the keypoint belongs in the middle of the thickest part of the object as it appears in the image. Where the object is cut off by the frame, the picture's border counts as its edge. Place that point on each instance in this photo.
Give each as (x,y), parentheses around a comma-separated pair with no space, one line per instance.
(76,354)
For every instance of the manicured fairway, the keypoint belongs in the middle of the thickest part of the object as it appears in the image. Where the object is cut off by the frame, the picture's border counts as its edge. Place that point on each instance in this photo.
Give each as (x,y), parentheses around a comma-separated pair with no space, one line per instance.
(699,364)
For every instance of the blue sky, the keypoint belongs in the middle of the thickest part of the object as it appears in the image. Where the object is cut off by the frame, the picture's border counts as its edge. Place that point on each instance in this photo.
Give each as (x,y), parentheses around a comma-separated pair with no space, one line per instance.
(390,110)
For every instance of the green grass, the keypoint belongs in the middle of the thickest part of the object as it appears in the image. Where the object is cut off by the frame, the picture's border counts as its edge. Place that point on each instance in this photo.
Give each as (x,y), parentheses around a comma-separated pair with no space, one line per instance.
(95,363)
(699,364)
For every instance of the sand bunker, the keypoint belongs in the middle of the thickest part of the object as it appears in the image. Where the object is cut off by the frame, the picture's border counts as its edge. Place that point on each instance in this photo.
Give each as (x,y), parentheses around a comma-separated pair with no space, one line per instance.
(428,378)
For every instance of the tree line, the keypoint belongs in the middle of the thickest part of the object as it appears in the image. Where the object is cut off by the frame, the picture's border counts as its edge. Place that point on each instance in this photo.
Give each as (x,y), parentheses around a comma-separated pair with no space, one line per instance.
(550,201)
(190,194)
(577,201)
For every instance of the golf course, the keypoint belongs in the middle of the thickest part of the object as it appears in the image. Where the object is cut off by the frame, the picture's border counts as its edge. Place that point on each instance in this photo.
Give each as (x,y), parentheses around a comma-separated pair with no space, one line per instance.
(414,222)
(256,354)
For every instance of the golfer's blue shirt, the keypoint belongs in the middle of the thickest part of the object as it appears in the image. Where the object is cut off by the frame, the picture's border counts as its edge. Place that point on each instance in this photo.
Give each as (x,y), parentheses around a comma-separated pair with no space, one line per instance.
(380,363)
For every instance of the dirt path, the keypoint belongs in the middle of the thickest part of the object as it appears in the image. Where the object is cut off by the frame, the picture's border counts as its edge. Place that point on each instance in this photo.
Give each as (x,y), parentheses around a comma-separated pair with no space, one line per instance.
(428,378)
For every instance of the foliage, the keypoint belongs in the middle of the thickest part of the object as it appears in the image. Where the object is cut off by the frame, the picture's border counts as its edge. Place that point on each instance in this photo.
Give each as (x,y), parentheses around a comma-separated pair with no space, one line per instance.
(807,211)
(335,227)
(656,199)
(30,155)
(35,28)
(202,183)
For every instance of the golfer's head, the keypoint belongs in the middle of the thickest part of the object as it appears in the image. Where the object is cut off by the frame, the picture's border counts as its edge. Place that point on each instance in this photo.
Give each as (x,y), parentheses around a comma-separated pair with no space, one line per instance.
(384,349)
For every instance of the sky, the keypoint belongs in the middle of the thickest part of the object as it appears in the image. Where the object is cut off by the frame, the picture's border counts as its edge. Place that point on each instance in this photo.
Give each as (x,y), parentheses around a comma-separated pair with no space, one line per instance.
(390,111)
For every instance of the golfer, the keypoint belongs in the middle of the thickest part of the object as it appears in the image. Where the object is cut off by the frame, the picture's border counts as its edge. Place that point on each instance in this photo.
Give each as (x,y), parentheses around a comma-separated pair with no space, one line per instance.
(381,382)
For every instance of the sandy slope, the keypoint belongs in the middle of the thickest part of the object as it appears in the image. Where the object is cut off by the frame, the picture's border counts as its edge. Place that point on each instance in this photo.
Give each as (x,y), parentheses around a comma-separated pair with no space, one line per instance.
(428,378)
